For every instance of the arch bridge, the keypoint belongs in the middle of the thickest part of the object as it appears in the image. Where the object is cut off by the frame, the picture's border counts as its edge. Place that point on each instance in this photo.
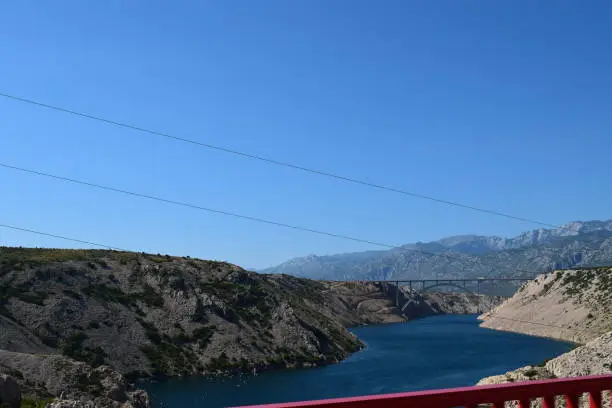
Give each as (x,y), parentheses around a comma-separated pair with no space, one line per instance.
(423,285)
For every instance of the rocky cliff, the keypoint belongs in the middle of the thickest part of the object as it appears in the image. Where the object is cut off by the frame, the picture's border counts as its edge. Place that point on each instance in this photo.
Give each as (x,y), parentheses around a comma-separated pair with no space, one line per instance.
(414,304)
(572,305)
(159,315)
(48,377)
(109,314)
(449,303)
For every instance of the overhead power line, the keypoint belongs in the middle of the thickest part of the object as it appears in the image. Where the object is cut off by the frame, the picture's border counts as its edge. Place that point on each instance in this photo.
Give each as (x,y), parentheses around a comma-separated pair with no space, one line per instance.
(245,217)
(62,237)
(275,162)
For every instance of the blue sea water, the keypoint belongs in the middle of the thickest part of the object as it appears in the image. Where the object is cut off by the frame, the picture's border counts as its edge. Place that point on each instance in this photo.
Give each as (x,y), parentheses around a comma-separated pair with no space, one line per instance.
(435,352)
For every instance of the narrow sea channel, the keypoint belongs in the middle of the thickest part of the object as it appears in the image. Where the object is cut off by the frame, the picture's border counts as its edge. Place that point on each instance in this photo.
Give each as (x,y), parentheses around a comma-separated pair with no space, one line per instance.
(435,352)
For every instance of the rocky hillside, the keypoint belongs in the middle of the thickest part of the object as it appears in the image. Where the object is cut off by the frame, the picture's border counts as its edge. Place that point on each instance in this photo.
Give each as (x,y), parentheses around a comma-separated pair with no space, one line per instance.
(44,377)
(577,243)
(573,305)
(146,314)
(140,315)
(426,304)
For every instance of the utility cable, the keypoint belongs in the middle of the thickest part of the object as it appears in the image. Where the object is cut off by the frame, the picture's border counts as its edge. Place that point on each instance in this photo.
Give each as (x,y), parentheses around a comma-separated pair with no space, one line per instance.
(246,217)
(274,161)
(62,237)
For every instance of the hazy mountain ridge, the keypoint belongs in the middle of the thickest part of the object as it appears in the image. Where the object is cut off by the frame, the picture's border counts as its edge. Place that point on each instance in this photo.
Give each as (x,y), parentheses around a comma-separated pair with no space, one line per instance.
(576,243)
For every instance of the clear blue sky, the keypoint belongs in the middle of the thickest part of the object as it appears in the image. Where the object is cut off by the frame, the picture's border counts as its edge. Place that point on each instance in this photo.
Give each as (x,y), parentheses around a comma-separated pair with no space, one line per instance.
(503,105)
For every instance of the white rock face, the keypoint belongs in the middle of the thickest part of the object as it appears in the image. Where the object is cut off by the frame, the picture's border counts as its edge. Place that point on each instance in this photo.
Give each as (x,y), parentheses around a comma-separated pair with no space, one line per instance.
(593,358)
(568,305)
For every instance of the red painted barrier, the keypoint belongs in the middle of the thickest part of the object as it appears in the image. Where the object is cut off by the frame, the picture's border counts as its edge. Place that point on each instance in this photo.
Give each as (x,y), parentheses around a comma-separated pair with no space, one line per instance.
(523,392)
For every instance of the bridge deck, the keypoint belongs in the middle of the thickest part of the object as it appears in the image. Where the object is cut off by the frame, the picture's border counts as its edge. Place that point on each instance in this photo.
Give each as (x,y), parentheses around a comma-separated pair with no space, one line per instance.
(449,280)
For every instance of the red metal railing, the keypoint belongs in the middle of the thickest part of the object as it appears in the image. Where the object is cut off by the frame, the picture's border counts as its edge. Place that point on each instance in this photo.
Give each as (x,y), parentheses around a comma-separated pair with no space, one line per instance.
(523,392)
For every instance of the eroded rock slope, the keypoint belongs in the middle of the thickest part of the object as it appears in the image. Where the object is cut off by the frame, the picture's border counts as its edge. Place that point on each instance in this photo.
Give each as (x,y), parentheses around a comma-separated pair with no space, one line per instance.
(572,305)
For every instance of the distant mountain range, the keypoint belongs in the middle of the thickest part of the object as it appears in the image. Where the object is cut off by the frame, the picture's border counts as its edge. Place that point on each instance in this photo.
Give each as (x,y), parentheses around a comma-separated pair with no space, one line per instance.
(577,243)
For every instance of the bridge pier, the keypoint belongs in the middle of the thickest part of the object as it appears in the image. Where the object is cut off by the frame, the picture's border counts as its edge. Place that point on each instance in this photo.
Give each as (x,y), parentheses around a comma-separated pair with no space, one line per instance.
(397,289)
